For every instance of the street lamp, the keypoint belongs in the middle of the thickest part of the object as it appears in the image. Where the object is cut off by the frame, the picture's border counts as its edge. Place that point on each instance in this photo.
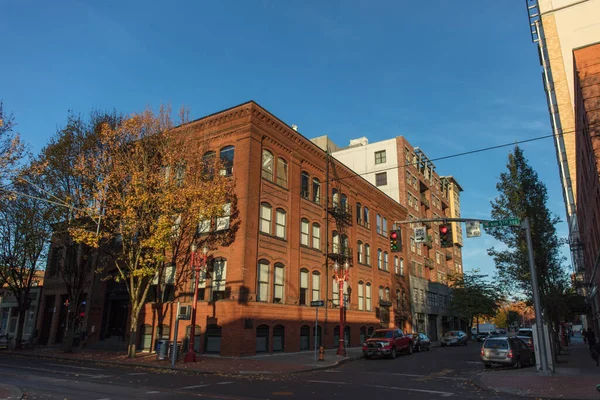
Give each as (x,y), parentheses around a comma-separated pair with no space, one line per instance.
(341,275)
(197,267)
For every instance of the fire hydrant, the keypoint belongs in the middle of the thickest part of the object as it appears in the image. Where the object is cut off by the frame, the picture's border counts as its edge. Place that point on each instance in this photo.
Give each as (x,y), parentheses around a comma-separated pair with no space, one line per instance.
(321,353)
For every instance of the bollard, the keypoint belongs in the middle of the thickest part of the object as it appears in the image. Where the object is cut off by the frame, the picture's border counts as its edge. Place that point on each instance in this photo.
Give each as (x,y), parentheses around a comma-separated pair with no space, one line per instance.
(321,353)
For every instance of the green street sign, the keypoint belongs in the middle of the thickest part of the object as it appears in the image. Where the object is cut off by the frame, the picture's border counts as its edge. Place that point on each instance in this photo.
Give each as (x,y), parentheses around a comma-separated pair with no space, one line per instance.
(502,222)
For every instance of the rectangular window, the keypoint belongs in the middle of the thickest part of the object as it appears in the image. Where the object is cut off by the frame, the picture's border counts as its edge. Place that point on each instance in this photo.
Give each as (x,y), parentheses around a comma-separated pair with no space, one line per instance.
(223,221)
(380,157)
(384,227)
(360,253)
(379,259)
(265,219)
(361,297)
(378,224)
(316,190)
(304,238)
(219,279)
(385,261)
(368,297)
(420,270)
(335,289)
(303,287)
(316,243)
(316,287)
(381,179)
(367,254)
(263,282)
(413,268)
(282,172)
(413,245)
(280,224)
(204,226)
(278,287)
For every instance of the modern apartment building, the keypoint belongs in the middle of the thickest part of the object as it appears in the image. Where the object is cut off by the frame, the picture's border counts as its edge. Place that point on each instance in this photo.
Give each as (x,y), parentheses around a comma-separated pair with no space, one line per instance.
(409,177)
(299,211)
(559,28)
(587,125)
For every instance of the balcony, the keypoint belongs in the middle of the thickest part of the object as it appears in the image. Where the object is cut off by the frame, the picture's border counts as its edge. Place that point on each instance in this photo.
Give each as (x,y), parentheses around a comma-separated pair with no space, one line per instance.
(424,201)
(341,212)
(340,254)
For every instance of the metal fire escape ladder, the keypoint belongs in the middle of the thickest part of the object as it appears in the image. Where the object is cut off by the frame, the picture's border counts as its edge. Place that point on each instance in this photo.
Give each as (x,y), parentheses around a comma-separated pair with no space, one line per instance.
(339,212)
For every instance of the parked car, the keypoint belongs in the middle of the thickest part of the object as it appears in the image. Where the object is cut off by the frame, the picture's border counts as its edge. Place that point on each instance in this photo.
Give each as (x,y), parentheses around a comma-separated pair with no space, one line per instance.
(481,336)
(506,350)
(454,338)
(526,335)
(421,342)
(388,343)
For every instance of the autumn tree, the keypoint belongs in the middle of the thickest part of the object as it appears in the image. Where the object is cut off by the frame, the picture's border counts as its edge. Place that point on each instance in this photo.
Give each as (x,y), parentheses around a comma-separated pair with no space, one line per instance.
(473,297)
(156,188)
(62,184)
(521,194)
(24,233)
(12,150)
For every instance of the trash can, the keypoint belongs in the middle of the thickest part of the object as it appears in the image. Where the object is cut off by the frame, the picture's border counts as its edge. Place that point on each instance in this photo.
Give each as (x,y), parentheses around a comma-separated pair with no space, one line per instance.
(162,349)
(179,351)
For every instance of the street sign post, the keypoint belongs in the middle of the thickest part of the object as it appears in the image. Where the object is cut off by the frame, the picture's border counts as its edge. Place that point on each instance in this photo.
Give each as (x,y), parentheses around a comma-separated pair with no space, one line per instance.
(502,222)
(316,304)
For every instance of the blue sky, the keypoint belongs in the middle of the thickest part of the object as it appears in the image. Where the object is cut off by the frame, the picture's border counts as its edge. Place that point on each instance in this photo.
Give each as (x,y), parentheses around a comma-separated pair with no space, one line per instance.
(449,76)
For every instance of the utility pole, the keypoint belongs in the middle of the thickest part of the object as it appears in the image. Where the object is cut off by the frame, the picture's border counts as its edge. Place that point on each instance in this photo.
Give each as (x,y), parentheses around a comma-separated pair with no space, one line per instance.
(539,323)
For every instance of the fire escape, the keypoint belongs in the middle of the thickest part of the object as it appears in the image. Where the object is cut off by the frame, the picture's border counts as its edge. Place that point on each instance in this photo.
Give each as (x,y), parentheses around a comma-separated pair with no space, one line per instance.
(339,215)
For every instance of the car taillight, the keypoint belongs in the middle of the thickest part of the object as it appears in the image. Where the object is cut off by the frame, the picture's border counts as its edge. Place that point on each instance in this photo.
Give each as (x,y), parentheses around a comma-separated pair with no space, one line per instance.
(510,354)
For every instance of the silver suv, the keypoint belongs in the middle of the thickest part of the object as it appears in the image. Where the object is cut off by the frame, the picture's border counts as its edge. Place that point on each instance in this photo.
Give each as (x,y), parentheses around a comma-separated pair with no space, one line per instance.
(506,350)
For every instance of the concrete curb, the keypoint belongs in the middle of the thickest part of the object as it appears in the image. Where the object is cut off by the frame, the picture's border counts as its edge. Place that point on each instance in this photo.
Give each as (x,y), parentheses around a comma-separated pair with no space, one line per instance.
(14,393)
(183,370)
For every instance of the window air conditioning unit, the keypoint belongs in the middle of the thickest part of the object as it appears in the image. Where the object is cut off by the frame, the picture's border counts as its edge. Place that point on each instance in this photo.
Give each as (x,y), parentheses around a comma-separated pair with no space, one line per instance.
(185,312)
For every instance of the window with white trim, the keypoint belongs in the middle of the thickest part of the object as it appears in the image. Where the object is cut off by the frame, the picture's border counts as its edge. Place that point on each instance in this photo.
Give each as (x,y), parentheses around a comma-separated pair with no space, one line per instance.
(361,296)
(262,294)
(368,297)
(316,286)
(278,283)
(304,234)
(303,287)
(265,218)
(280,223)
(316,236)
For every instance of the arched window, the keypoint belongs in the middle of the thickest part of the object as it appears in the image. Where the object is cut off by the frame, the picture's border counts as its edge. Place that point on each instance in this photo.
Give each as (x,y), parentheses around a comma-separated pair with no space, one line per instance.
(367,254)
(208,161)
(267,165)
(344,245)
(282,173)
(227,154)
(305,337)
(359,251)
(368,297)
(304,185)
(358,213)
(303,287)
(396,265)
(384,227)
(265,218)
(278,283)
(387,294)
(386,267)
(402,266)
(381,293)
(316,236)
(366,221)
(316,286)
(335,290)
(278,338)
(335,197)
(378,225)
(344,203)
(379,259)
(398,299)
(219,278)
(335,241)
(262,339)
(262,292)
(316,194)
(304,233)
(280,223)
(361,295)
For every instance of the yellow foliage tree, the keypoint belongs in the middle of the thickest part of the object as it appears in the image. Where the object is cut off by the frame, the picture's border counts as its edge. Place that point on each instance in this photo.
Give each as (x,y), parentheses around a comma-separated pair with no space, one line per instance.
(156,187)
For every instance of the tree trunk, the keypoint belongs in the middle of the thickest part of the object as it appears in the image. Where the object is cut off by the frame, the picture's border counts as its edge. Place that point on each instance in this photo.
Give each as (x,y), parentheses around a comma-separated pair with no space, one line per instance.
(20,324)
(69,331)
(131,348)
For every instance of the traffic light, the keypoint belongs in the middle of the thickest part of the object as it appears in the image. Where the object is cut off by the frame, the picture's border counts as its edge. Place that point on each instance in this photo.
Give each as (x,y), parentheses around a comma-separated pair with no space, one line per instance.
(395,240)
(446,235)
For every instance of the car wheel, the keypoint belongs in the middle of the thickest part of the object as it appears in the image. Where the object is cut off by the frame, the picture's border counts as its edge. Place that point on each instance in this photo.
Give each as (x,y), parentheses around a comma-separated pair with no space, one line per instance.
(393,355)
(487,366)
(410,348)
(418,348)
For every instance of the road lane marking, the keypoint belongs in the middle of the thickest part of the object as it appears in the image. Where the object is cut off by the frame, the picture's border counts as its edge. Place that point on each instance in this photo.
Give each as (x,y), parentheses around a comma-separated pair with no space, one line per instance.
(55,371)
(153,392)
(444,394)
(191,387)
(137,373)
(224,383)
(474,362)
(74,366)
(333,382)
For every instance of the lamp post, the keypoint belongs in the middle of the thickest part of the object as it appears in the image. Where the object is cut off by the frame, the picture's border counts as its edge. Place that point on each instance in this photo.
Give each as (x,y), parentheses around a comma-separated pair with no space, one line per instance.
(341,275)
(197,267)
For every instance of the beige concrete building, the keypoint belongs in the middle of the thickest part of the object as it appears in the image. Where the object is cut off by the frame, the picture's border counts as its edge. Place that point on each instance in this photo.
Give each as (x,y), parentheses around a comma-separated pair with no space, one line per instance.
(559,27)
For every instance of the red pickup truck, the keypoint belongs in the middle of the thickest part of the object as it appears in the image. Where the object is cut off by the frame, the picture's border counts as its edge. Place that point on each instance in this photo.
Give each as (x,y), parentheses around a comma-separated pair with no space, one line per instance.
(387,342)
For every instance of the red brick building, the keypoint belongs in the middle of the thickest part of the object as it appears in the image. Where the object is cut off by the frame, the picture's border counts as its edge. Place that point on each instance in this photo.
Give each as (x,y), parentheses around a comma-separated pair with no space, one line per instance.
(587,131)
(259,300)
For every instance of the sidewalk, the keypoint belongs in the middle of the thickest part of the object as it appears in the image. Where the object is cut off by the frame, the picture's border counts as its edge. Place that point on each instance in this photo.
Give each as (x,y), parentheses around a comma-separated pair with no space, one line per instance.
(278,363)
(575,377)
(9,392)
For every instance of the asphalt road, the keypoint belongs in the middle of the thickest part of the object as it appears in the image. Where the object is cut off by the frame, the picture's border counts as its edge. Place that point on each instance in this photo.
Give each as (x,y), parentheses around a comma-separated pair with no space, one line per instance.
(439,373)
